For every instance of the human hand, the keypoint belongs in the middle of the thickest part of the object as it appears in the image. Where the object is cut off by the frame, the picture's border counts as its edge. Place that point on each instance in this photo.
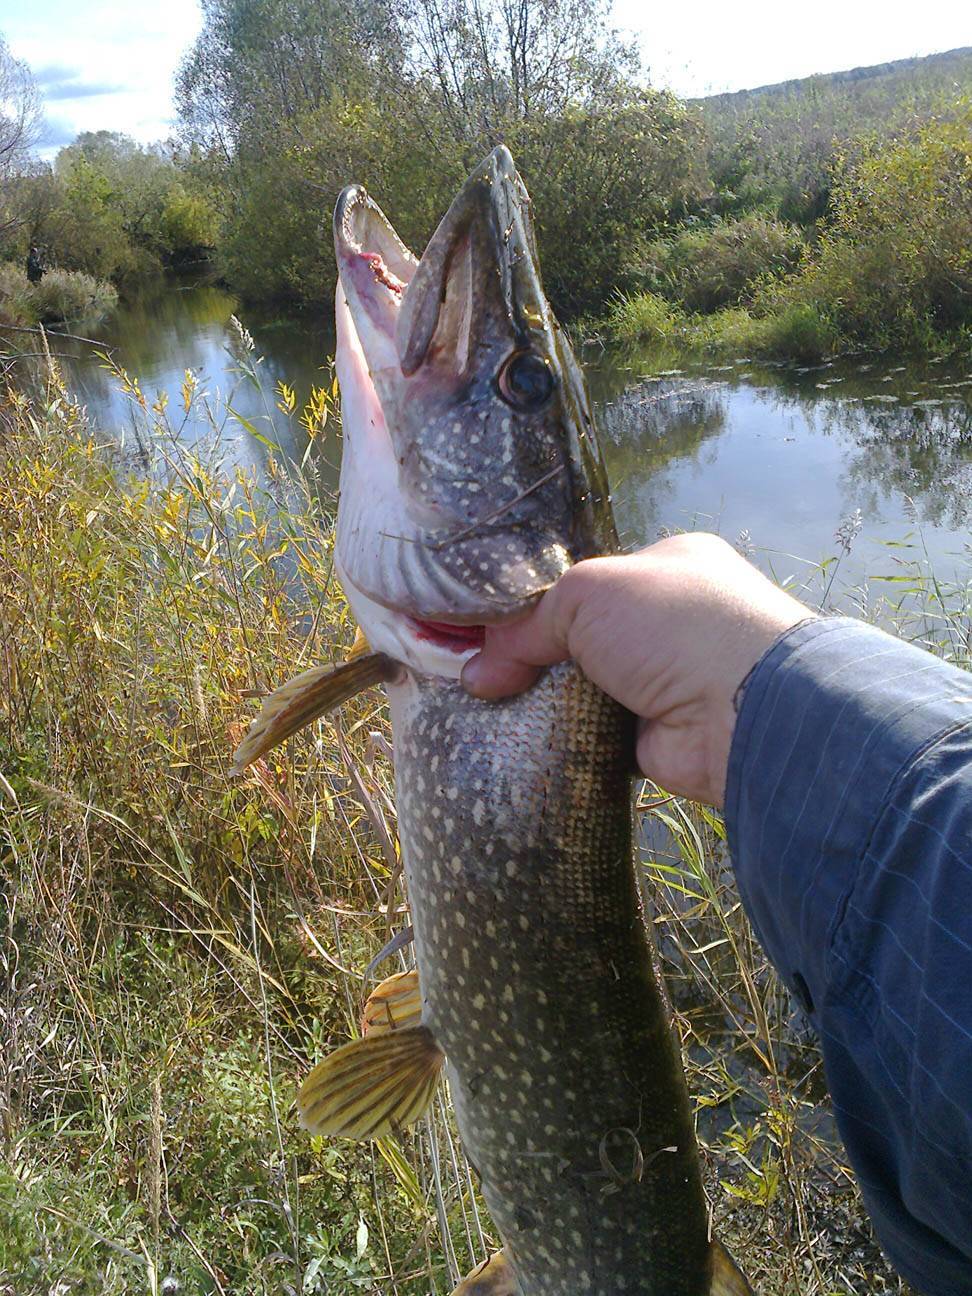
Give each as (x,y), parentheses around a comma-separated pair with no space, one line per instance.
(670,632)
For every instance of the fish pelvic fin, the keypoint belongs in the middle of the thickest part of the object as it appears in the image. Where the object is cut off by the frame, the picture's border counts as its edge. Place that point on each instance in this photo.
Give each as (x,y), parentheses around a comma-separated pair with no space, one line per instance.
(360,647)
(312,694)
(494,1277)
(393,1005)
(727,1278)
(372,1087)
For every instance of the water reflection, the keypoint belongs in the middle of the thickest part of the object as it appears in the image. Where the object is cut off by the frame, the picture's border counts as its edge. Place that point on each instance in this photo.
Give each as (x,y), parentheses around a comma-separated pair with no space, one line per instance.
(782,454)
(922,451)
(187,324)
(651,431)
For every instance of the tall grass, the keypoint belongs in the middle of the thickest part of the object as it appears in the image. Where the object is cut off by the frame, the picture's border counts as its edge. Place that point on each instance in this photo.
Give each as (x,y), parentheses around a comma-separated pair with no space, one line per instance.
(718,265)
(174,943)
(796,330)
(60,295)
(178,947)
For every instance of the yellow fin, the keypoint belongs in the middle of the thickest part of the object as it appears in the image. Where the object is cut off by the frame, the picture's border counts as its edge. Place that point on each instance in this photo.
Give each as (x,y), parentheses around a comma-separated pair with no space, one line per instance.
(392,1005)
(495,1277)
(295,704)
(727,1280)
(359,647)
(372,1087)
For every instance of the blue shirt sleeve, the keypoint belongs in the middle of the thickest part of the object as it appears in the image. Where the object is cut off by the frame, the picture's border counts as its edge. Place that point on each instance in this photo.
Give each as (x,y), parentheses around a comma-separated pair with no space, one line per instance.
(849,817)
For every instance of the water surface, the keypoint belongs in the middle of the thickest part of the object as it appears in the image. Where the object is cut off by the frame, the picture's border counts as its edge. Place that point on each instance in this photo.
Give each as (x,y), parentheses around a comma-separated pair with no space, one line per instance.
(774,457)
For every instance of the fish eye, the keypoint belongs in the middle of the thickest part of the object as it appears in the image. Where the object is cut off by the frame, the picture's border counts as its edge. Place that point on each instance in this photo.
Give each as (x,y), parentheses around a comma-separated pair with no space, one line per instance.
(525,381)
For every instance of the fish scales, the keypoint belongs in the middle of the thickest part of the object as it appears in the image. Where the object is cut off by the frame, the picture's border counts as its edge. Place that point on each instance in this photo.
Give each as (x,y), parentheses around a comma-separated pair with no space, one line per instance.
(539,983)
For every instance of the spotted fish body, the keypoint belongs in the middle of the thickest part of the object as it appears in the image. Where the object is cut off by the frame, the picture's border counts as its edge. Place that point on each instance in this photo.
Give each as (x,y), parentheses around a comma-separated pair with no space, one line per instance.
(470,480)
(540,985)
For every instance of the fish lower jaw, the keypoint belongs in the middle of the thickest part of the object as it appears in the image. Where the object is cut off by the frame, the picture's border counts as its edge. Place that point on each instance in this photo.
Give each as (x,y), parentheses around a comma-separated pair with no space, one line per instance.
(426,647)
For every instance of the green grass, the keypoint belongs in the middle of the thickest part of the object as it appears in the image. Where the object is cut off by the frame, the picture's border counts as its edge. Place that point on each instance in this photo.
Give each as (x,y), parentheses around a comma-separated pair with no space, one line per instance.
(796,331)
(178,947)
(645,317)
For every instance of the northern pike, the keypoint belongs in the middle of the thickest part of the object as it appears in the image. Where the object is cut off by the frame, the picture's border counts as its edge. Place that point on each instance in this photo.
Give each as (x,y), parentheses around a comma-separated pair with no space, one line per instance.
(471,478)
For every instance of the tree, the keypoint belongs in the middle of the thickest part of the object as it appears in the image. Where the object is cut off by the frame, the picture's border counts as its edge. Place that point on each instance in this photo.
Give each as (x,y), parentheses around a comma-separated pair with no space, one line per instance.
(20,112)
(88,230)
(257,62)
(289,100)
(20,122)
(487,66)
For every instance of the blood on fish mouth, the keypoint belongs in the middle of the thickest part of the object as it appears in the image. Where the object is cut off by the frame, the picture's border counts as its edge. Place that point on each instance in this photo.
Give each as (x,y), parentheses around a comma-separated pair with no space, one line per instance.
(382,273)
(457,638)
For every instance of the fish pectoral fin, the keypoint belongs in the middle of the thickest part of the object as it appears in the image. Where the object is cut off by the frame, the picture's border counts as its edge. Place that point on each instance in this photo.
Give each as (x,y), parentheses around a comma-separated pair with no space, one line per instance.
(297,703)
(494,1277)
(372,1087)
(395,1004)
(727,1279)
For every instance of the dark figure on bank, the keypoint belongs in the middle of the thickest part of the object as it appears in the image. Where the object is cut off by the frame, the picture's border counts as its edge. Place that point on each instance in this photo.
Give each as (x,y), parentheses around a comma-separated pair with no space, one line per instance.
(35,265)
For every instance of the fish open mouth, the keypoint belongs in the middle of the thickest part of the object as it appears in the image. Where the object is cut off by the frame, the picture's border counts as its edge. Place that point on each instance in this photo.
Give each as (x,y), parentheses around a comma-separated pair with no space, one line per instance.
(375,268)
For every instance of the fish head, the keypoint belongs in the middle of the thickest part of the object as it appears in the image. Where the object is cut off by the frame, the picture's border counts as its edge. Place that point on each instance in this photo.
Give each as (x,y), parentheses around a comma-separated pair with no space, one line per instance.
(471,476)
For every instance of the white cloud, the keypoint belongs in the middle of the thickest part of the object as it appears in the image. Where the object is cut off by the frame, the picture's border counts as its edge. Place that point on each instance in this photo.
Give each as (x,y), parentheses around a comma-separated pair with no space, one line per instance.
(103,64)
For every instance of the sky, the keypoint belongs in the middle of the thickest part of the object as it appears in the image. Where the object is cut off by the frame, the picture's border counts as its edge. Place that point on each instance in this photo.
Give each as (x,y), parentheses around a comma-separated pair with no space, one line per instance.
(102,64)
(704,47)
(108,64)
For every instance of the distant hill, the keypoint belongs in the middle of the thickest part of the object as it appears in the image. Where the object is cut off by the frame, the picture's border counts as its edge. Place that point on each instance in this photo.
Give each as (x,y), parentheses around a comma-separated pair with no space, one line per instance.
(956,63)
(774,146)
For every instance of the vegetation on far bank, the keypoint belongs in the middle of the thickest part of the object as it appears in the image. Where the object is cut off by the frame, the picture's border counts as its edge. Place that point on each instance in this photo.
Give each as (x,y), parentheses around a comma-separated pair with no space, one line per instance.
(774,147)
(890,266)
(106,212)
(60,295)
(789,220)
(112,208)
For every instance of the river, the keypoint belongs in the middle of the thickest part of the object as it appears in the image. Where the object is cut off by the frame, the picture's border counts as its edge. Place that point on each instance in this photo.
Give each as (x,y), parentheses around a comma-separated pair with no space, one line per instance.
(775,457)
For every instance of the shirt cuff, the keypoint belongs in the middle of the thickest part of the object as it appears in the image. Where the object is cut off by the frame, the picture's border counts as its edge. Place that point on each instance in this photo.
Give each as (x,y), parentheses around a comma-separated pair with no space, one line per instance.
(829,717)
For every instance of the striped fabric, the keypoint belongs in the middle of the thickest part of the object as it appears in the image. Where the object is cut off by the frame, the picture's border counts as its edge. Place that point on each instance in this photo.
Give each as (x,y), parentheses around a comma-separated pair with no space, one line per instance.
(849,813)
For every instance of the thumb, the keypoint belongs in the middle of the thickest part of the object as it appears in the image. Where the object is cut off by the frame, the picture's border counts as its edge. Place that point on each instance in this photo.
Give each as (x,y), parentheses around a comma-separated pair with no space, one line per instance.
(512,654)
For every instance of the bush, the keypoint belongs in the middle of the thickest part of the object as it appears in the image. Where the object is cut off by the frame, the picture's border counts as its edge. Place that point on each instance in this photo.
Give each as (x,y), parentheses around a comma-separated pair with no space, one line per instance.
(15,303)
(893,267)
(643,317)
(707,269)
(798,331)
(71,294)
(60,295)
(188,224)
(895,264)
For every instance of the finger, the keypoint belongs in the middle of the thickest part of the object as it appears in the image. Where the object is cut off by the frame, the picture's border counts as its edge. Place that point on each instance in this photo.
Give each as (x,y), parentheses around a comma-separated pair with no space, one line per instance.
(512,654)
(491,677)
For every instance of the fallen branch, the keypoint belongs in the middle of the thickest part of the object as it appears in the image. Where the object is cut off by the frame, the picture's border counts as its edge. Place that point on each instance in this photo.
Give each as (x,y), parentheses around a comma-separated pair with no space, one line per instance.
(43,332)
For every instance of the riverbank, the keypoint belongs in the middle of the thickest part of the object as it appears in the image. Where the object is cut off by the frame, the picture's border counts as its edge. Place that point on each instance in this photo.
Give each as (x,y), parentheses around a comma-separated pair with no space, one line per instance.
(179,946)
